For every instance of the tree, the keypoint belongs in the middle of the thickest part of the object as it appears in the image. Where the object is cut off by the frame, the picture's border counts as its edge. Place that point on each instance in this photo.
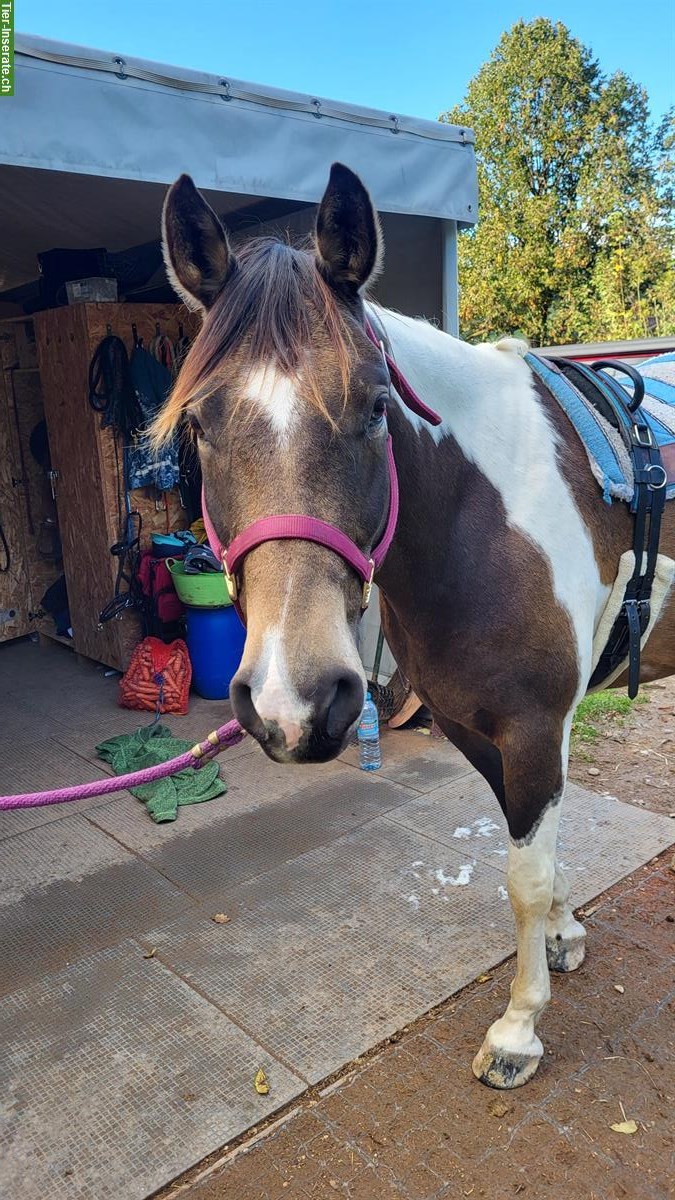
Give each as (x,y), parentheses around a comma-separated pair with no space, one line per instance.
(576,235)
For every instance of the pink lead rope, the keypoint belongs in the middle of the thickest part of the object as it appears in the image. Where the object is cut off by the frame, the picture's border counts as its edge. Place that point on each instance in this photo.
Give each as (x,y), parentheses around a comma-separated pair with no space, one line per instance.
(222,738)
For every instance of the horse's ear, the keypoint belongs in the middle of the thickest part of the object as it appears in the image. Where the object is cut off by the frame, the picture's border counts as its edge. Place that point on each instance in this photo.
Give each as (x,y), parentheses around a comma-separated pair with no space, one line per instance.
(196,251)
(348,238)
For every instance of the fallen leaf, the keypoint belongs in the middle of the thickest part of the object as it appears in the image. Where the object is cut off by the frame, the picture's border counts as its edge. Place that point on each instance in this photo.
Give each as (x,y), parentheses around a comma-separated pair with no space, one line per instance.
(592,771)
(625,1127)
(498,1108)
(618,987)
(220,918)
(484,978)
(260,1083)
(150,953)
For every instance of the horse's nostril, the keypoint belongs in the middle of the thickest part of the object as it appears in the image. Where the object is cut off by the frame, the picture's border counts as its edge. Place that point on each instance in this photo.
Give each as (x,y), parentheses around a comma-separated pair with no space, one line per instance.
(243,707)
(344,704)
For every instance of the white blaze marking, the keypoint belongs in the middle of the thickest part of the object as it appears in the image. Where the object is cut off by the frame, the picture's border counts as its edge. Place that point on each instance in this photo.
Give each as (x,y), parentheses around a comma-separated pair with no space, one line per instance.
(276,395)
(272,691)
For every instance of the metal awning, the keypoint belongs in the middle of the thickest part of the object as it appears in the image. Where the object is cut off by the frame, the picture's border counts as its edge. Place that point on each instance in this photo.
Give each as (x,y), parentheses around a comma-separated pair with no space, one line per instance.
(92,138)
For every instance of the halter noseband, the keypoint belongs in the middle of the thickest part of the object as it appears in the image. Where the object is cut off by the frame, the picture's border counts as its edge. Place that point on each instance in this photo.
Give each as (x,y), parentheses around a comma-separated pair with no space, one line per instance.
(311,529)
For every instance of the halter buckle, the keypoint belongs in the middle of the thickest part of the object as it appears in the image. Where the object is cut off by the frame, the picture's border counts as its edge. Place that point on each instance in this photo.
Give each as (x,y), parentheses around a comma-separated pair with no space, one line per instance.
(368,586)
(230,583)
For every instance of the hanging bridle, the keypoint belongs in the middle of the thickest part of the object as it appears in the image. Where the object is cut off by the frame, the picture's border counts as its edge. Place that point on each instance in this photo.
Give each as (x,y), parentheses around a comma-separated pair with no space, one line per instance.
(311,529)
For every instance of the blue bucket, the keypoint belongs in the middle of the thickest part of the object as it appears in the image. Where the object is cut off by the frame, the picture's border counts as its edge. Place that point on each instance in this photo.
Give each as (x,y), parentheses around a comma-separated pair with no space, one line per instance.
(215,640)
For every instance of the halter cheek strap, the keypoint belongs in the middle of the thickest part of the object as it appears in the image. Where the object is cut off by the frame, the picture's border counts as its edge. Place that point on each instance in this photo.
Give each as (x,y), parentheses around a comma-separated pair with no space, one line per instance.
(406,392)
(310,529)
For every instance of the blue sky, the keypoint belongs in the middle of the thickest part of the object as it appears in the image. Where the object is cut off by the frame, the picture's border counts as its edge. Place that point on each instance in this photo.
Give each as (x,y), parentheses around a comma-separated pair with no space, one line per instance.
(412,57)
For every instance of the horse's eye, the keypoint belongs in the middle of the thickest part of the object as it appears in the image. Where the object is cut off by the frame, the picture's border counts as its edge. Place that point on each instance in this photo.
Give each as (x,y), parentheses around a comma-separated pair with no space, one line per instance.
(194,425)
(379,410)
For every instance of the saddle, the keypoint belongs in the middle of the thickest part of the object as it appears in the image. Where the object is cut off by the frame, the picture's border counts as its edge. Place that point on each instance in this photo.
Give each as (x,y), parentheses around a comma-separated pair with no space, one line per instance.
(638,475)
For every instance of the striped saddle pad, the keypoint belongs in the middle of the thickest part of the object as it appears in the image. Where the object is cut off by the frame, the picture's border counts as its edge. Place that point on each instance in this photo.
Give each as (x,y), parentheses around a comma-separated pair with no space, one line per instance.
(607,453)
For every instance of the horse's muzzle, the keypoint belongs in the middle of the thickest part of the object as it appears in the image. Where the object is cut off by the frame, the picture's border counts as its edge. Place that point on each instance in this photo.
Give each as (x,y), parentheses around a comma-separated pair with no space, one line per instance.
(318,735)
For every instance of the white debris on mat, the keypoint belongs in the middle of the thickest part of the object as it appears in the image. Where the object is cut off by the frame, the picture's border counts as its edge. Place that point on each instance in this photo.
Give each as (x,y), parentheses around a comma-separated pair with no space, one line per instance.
(502,892)
(486,826)
(481,827)
(459,880)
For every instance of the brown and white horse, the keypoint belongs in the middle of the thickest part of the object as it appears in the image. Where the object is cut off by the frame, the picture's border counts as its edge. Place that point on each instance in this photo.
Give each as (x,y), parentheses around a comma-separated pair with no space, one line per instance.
(501,564)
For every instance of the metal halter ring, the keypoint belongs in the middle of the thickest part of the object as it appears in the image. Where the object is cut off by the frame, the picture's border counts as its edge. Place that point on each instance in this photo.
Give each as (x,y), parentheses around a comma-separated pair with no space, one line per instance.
(656,487)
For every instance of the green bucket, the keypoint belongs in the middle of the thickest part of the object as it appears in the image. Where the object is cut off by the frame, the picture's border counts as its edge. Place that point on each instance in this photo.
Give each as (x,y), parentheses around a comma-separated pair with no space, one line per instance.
(203,590)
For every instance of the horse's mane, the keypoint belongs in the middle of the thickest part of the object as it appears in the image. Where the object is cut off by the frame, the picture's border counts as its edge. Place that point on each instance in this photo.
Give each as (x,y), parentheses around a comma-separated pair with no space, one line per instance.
(274,305)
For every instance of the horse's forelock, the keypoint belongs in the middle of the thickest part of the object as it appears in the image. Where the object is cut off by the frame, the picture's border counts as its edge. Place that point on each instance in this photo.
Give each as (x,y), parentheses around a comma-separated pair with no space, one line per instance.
(274,308)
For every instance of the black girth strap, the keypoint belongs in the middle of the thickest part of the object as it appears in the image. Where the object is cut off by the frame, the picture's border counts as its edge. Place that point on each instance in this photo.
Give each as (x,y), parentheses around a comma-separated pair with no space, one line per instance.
(647,505)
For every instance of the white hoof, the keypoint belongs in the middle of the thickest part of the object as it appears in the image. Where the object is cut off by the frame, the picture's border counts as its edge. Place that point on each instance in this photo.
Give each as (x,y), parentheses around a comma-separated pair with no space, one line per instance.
(566,953)
(507,1068)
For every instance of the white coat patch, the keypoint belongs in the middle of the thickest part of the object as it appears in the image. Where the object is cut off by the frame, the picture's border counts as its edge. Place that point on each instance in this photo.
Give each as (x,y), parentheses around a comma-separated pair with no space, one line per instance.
(488,402)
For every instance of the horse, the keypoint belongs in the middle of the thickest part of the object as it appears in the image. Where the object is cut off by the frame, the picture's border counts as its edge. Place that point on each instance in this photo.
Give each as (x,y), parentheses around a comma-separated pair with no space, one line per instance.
(497,573)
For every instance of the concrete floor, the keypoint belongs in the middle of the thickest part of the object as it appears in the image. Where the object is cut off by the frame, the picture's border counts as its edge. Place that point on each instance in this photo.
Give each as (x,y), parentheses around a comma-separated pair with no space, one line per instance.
(354,904)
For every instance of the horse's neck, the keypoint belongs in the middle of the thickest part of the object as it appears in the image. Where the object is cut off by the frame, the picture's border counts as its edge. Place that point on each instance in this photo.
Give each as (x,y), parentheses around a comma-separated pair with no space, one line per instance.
(495,456)
(483,393)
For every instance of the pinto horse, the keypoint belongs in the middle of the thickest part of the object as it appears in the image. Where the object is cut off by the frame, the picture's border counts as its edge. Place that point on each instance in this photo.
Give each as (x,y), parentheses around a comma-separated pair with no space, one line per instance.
(501,563)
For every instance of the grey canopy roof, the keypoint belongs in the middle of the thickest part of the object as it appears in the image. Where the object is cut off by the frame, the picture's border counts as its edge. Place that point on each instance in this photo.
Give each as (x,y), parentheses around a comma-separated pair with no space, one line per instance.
(81,113)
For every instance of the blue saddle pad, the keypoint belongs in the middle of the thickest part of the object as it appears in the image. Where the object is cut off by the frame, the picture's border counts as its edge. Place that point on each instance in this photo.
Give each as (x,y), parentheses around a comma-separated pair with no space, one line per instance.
(606,451)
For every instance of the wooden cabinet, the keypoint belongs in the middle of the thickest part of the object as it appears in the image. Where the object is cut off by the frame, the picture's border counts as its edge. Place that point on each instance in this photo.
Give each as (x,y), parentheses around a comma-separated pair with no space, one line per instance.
(29,555)
(89,481)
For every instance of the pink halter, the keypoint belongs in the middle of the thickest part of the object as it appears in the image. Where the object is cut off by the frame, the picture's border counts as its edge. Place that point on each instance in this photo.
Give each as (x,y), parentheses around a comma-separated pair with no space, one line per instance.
(311,529)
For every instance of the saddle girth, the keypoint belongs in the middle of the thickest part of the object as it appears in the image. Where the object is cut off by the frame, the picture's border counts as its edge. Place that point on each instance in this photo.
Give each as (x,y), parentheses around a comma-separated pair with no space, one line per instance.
(623,412)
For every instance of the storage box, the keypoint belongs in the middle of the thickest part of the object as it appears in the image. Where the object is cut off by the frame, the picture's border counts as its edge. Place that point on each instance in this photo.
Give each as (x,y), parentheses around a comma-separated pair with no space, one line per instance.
(85,291)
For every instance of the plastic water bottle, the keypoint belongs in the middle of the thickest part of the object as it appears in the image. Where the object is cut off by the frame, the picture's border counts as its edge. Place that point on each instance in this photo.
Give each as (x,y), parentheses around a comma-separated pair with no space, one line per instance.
(368,734)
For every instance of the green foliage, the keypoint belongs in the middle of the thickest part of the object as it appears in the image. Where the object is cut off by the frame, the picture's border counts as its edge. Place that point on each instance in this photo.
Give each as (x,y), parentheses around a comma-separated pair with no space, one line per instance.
(576,235)
(598,707)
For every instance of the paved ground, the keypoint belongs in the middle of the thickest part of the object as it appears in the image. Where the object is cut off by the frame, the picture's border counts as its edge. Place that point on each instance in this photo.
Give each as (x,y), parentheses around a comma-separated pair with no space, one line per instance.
(133,1024)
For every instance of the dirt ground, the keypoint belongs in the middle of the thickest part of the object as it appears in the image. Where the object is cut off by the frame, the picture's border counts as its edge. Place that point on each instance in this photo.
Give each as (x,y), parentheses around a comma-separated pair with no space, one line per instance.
(633,757)
(409,1121)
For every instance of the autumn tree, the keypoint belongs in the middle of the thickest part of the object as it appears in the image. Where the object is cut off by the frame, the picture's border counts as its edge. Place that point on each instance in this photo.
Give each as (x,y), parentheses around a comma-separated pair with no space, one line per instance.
(576,234)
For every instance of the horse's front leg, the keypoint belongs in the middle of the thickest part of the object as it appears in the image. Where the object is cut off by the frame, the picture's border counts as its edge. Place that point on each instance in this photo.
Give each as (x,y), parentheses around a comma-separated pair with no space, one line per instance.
(535,767)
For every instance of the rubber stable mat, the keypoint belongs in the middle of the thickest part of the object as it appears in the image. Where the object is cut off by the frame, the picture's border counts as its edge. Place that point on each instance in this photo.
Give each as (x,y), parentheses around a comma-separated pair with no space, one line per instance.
(334,950)
(600,841)
(115,1076)
(207,857)
(65,890)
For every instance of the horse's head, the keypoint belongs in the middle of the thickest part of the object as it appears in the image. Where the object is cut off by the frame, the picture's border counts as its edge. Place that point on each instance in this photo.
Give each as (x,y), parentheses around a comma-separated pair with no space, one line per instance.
(287,397)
